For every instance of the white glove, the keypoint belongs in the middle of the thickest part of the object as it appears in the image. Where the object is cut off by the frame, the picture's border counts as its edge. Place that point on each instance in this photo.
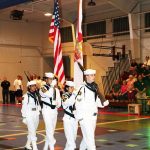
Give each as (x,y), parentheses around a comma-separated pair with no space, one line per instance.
(106,103)
(24,120)
(54,82)
(75,92)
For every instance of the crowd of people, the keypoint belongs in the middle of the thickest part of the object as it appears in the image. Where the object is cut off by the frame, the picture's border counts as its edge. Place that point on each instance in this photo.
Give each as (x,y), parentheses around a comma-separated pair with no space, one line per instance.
(80,106)
(132,85)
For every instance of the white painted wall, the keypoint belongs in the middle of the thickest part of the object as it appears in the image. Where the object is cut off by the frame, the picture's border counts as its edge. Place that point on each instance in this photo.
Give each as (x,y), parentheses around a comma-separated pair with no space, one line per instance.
(19,50)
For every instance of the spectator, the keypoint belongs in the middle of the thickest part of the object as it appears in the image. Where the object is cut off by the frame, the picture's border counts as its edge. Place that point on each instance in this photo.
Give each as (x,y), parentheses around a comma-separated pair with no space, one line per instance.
(147,61)
(133,70)
(125,75)
(140,88)
(134,63)
(5,90)
(18,89)
(33,76)
(146,80)
(146,72)
(140,68)
(116,90)
(123,93)
(130,87)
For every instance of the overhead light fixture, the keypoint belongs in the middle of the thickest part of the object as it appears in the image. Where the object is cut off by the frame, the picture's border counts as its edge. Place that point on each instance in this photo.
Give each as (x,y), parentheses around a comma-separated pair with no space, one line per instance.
(91,3)
(47,14)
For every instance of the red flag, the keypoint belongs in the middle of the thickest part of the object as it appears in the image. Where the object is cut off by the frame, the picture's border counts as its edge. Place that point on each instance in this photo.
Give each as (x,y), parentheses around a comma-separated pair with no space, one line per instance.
(78,56)
(55,37)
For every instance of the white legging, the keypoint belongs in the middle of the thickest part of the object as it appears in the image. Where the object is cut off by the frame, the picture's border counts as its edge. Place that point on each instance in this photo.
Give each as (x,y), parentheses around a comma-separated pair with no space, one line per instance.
(50,119)
(70,129)
(88,126)
(32,125)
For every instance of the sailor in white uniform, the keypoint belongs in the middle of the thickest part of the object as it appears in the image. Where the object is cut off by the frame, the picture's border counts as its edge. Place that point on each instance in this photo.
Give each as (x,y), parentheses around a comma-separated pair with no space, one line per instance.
(70,123)
(51,100)
(87,102)
(30,113)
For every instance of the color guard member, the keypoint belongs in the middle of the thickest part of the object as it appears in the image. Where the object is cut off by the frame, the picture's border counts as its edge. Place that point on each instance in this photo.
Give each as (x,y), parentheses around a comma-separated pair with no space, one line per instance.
(51,100)
(70,123)
(30,113)
(86,104)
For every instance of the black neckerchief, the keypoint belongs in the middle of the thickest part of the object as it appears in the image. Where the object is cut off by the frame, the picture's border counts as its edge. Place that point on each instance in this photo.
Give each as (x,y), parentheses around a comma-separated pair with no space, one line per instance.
(68,94)
(93,87)
(47,86)
(34,96)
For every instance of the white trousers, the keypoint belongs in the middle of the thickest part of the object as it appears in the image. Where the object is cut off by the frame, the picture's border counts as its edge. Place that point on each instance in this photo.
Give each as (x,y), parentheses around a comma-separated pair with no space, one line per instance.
(88,126)
(70,129)
(32,125)
(50,119)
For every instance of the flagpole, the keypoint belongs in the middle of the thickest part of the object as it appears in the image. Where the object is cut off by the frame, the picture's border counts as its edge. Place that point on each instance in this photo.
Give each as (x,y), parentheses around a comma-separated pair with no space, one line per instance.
(74,45)
(73,35)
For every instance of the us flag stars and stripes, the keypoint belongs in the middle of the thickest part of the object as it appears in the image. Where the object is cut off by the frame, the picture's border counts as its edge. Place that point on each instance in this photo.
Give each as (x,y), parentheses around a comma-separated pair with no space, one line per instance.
(55,38)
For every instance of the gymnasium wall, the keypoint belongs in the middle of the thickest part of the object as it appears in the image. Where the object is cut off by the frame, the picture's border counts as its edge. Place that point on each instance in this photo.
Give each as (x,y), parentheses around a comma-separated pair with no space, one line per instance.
(24,46)
(20,46)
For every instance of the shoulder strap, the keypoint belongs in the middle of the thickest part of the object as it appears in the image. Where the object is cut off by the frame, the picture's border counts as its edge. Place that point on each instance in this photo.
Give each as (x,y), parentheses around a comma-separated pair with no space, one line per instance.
(79,91)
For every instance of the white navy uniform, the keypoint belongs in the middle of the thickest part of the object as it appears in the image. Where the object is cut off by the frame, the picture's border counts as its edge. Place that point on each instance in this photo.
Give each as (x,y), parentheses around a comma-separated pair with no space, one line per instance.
(70,123)
(30,112)
(51,101)
(86,104)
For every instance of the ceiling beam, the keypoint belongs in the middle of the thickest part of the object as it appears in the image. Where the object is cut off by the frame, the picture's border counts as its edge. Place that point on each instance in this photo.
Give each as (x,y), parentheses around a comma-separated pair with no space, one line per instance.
(123,5)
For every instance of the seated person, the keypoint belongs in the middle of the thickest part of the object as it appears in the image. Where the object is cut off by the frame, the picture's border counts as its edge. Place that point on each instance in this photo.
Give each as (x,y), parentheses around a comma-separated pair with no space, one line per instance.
(109,96)
(146,79)
(116,90)
(140,88)
(123,91)
(130,88)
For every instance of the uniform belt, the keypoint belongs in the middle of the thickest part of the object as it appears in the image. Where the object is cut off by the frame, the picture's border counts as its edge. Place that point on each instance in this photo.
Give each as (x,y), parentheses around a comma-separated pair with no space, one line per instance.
(52,106)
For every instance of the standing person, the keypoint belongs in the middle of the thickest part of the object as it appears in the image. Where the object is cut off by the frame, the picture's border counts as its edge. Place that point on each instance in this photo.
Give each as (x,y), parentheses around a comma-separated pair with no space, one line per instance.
(5,90)
(86,104)
(51,100)
(30,113)
(18,89)
(70,123)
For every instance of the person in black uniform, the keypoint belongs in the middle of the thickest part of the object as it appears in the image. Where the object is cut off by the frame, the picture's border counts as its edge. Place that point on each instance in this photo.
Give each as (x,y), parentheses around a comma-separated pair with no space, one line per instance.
(5,90)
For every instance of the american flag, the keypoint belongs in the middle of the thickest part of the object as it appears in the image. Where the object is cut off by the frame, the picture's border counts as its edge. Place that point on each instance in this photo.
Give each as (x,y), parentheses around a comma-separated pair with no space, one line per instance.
(55,37)
(78,56)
